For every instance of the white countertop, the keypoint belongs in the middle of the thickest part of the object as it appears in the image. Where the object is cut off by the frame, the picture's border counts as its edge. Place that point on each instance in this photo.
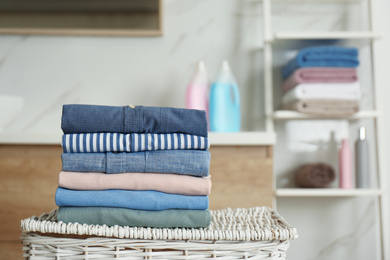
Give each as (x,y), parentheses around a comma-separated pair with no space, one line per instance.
(240,138)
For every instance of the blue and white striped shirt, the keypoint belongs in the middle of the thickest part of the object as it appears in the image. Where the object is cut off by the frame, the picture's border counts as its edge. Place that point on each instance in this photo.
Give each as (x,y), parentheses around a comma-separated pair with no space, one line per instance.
(116,142)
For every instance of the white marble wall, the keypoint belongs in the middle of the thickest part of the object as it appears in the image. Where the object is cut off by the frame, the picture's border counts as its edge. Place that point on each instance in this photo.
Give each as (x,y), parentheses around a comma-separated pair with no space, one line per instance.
(50,71)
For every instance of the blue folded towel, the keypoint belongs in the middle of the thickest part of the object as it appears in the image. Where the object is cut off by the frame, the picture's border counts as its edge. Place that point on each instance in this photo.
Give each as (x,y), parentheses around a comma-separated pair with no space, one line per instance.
(189,162)
(322,56)
(139,119)
(143,200)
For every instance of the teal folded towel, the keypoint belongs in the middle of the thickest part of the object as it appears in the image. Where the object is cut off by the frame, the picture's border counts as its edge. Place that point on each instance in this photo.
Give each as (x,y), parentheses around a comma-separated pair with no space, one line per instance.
(135,218)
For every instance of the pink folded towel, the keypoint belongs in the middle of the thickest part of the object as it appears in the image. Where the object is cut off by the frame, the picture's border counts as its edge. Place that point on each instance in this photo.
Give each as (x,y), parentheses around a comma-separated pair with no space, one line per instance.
(168,183)
(320,75)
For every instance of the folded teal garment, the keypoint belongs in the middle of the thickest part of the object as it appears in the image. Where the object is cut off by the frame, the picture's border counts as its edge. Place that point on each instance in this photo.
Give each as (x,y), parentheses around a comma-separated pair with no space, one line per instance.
(140,199)
(135,218)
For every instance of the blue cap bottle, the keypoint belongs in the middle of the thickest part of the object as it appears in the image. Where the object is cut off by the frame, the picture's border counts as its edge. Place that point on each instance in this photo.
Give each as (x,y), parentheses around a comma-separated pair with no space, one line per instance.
(224,107)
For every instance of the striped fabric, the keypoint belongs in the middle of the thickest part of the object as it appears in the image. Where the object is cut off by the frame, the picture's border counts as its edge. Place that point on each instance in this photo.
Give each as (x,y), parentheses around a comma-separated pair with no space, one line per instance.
(116,142)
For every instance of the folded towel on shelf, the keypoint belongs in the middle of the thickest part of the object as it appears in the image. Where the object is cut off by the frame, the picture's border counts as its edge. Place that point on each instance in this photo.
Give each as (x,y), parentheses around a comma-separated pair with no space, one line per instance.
(318,175)
(135,218)
(322,56)
(320,75)
(333,91)
(140,199)
(324,107)
(116,142)
(164,182)
(139,119)
(188,162)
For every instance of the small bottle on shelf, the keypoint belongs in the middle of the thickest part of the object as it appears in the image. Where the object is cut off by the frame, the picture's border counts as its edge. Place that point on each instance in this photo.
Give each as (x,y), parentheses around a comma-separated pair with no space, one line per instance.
(197,89)
(345,165)
(225,113)
(362,160)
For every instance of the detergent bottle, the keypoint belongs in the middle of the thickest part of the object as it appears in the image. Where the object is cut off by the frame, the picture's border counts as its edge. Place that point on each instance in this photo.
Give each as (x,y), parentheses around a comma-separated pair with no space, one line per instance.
(224,106)
(197,89)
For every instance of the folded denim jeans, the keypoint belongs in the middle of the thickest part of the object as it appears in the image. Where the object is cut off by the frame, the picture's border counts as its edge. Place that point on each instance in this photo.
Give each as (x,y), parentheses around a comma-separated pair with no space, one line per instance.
(139,119)
(139,199)
(135,218)
(117,142)
(189,162)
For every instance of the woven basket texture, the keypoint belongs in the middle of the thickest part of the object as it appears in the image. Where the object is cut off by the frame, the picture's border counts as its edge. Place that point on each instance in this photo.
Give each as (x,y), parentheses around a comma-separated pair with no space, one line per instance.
(255,233)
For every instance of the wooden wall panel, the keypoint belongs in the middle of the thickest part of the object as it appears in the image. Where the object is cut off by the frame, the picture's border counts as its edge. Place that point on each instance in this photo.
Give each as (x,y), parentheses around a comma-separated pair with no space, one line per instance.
(29,178)
(241,176)
(11,251)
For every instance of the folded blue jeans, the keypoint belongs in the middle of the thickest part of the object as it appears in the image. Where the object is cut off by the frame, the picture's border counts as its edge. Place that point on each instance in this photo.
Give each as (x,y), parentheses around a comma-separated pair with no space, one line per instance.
(140,119)
(140,199)
(189,162)
(117,142)
(322,56)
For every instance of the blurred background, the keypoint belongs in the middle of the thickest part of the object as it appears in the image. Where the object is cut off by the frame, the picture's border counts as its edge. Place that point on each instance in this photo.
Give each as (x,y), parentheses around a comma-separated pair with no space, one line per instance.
(148,57)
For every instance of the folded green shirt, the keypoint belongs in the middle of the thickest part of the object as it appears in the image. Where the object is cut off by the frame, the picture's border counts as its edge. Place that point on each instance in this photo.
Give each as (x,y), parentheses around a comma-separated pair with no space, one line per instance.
(135,218)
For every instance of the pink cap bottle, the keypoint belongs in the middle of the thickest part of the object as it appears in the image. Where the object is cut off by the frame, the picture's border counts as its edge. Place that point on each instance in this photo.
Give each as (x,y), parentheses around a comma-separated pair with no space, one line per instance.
(198,88)
(345,165)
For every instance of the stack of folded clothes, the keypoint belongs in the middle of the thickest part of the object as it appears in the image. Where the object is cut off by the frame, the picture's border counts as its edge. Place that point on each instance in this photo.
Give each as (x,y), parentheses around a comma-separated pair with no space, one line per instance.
(322,81)
(134,166)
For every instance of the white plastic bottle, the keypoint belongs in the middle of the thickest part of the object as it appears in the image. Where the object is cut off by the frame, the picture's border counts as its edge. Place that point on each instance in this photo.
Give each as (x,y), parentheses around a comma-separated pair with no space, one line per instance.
(197,89)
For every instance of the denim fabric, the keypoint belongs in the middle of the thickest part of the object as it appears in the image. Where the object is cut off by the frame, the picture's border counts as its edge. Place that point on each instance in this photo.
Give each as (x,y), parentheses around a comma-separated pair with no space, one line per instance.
(189,162)
(140,199)
(105,119)
(116,142)
(322,56)
(135,218)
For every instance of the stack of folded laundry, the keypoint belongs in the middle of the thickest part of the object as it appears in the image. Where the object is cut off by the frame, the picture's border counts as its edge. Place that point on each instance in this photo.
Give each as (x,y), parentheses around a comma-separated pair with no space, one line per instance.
(322,81)
(134,166)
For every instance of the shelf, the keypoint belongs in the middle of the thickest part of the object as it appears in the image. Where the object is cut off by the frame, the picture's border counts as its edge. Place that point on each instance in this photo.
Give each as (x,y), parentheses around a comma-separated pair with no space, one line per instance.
(95,18)
(22,138)
(327,35)
(327,192)
(287,114)
(242,138)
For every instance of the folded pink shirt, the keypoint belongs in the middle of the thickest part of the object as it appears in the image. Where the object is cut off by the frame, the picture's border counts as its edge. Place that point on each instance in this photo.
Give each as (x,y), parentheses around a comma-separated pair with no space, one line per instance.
(320,75)
(168,183)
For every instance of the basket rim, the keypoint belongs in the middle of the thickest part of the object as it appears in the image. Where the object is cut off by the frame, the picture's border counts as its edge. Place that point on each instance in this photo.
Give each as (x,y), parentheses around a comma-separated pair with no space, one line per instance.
(240,224)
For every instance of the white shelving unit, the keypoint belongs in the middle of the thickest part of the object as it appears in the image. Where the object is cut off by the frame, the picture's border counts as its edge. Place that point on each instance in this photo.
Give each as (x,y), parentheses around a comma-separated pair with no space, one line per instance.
(287,115)
(271,116)
(326,35)
(327,192)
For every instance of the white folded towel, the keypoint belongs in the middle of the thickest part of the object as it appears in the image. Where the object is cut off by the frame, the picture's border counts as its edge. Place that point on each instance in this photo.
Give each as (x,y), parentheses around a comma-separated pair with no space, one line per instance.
(334,91)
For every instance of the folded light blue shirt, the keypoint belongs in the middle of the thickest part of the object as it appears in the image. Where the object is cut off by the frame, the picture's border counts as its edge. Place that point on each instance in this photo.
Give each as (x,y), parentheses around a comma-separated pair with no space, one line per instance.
(126,119)
(117,142)
(322,56)
(189,162)
(143,200)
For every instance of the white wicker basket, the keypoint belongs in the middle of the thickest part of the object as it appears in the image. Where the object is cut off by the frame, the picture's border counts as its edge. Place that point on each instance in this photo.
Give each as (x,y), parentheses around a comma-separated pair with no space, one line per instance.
(256,233)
